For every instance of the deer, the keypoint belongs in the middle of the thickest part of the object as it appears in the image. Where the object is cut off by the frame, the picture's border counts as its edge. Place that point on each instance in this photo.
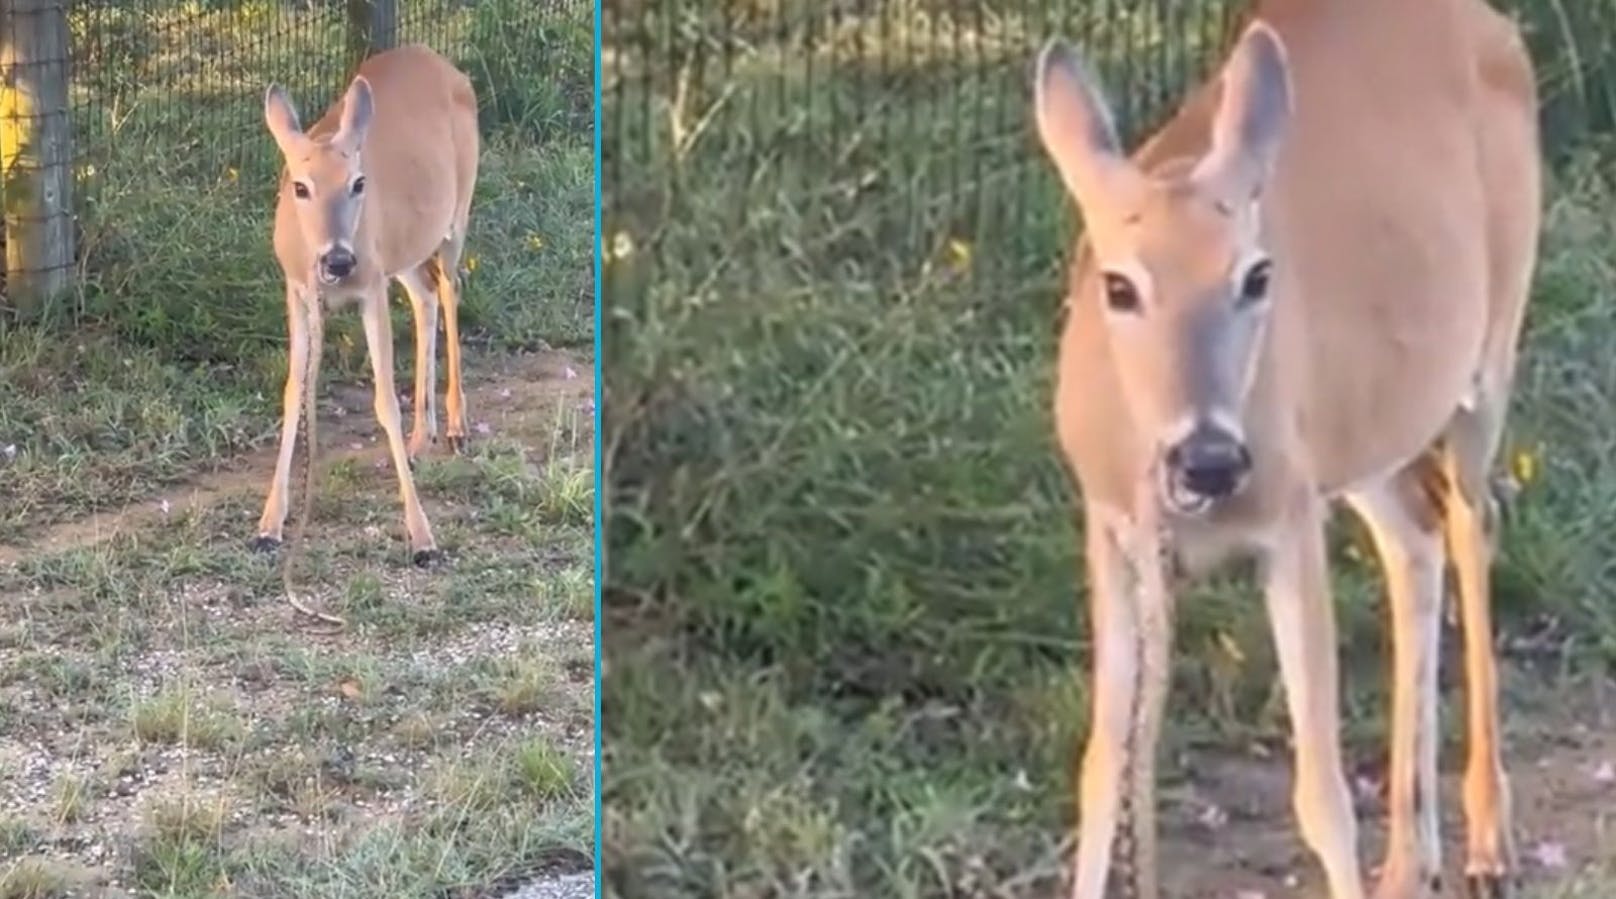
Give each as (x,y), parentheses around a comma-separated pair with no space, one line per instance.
(1304,291)
(378,190)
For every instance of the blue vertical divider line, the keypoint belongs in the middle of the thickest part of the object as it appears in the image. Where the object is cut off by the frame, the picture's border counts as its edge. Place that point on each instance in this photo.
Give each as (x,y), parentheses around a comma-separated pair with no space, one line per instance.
(600,491)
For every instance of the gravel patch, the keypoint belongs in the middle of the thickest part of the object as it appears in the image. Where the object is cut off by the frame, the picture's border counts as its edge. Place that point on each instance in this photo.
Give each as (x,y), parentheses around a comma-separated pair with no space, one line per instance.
(566,886)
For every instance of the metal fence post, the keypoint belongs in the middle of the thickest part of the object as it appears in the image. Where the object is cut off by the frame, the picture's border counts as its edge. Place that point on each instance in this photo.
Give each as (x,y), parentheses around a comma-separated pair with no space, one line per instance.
(36,151)
(372,26)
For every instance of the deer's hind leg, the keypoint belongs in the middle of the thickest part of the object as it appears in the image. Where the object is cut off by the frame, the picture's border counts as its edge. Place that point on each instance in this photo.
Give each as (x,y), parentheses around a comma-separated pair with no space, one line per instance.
(1470,523)
(1404,517)
(446,275)
(418,283)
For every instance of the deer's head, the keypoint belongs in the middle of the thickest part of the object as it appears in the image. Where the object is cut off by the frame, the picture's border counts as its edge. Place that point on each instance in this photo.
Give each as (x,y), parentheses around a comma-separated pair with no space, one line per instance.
(325,177)
(1180,273)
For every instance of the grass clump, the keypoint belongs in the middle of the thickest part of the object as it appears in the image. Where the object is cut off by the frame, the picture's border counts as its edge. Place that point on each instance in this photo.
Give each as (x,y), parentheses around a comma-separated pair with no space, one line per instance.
(177,716)
(180,853)
(34,878)
(513,773)
(542,771)
(73,796)
(521,685)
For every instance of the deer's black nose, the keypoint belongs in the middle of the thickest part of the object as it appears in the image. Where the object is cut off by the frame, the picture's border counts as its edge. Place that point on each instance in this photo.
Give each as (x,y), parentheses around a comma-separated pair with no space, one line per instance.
(1210,462)
(339,263)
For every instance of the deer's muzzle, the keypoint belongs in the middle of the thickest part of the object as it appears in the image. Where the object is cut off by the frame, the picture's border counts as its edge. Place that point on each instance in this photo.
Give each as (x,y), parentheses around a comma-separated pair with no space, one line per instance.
(336,264)
(1207,465)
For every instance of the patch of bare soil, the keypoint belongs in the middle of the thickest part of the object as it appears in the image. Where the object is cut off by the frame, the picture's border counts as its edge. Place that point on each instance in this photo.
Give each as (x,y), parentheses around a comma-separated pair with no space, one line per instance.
(1228,832)
(503,394)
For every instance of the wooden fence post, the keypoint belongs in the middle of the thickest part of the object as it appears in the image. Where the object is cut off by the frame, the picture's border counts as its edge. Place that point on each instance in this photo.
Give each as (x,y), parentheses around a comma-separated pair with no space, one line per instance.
(36,150)
(372,26)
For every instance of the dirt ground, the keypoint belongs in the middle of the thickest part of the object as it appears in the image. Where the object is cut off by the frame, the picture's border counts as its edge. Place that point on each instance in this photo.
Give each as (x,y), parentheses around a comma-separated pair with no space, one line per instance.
(519,397)
(1228,830)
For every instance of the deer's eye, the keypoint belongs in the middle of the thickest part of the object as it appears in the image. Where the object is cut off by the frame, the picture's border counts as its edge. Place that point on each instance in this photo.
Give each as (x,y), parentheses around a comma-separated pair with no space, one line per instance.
(359,185)
(1120,294)
(300,190)
(1254,286)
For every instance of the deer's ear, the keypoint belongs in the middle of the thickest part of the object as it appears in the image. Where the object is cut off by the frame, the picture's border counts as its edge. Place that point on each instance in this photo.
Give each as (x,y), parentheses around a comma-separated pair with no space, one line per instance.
(1075,123)
(281,117)
(357,110)
(1252,115)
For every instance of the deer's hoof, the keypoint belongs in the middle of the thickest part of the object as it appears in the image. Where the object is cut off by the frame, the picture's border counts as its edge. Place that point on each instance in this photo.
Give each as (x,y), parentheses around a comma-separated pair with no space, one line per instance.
(1486,886)
(457,443)
(263,544)
(427,558)
(1416,887)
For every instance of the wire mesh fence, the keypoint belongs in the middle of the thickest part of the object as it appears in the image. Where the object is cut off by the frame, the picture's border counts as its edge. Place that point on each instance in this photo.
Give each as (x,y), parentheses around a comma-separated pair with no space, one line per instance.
(104,97)
(912,116)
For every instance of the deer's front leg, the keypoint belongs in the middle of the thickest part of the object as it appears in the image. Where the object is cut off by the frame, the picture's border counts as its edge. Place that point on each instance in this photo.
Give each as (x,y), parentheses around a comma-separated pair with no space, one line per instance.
(1303,621)
(1131,624)
(379,339)
(1405,525)
(273,521)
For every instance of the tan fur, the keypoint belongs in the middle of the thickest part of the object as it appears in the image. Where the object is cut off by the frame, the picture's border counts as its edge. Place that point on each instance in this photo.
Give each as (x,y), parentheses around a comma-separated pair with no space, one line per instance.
(1401,215)
(417,155)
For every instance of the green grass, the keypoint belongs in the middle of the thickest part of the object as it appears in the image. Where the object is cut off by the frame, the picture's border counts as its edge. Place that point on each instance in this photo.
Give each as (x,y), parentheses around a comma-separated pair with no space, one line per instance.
(845,638)
(454,708)
(166,724)
(176,716)
(34,878)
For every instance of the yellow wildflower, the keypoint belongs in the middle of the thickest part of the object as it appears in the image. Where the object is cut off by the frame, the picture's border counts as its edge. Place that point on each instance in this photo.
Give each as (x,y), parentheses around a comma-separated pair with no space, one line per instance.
(1524,466)
(959,254)
(622,246)
(1231,648)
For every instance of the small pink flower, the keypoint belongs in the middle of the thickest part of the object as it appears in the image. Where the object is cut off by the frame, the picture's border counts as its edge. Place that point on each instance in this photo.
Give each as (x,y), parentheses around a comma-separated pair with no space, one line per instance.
(569,374)
(1212,816)
(482,428)
(1550,855)
(1366,788)
(505,394)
